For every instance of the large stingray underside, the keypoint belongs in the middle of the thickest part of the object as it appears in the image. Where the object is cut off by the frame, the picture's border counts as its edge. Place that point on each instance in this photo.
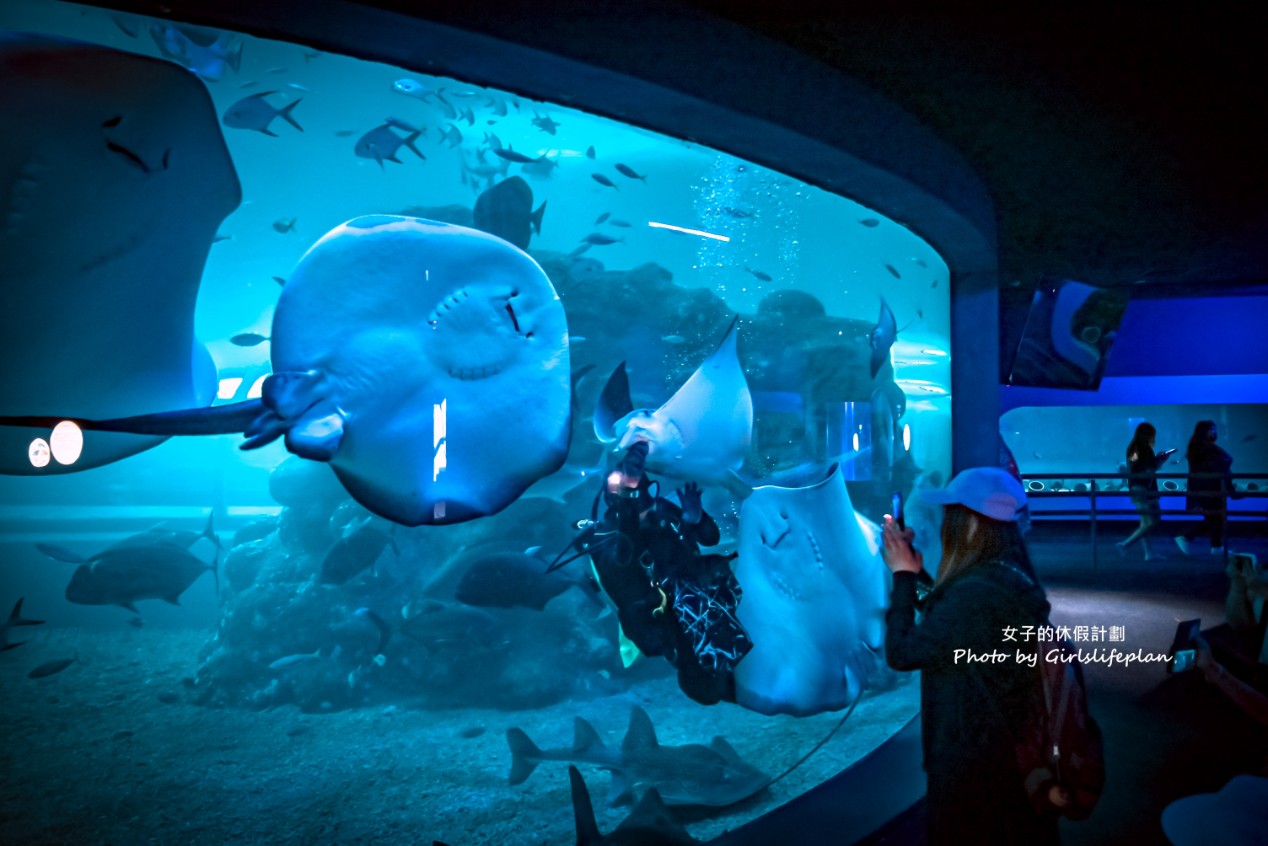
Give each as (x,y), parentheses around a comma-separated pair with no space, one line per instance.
(113,179)
(702,432)
(426,363)
(815,593)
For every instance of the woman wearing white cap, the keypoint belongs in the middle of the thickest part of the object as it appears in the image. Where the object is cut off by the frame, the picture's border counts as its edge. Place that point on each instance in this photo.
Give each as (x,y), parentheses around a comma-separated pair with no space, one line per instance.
(973,689)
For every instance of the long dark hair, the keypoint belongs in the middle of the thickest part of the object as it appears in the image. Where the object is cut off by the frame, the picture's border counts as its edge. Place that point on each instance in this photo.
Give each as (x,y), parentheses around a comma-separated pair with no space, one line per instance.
(1145,433)
(1200,440)
(994,539)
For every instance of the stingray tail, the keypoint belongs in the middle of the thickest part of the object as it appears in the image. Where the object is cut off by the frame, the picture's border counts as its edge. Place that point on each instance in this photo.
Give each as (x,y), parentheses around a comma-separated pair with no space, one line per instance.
(218,420)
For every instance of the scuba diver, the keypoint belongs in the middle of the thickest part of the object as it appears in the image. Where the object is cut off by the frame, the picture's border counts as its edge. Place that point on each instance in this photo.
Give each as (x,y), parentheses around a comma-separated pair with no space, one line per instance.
(670,599)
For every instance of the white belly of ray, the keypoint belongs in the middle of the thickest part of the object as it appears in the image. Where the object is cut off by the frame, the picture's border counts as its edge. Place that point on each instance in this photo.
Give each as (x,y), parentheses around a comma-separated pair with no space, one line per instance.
(815,594)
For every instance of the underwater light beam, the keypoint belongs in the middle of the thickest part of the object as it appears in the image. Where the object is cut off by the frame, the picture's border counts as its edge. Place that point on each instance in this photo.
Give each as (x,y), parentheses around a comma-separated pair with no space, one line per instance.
(656,225)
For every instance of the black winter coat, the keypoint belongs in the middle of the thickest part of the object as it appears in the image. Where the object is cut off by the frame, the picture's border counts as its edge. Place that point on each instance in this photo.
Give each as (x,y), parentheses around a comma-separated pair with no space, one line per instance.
(971,709)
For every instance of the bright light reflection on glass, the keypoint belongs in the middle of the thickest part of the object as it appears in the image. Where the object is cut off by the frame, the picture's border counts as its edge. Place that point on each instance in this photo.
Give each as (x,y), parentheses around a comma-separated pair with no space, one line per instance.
(67,442)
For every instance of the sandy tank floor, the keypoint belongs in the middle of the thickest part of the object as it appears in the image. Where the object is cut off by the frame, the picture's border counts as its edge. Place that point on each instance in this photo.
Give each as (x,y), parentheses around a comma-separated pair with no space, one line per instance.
(109,751)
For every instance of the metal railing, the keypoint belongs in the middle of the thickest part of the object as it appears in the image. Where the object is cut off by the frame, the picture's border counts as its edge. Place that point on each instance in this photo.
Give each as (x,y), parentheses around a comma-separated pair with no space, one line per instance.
(1094,486)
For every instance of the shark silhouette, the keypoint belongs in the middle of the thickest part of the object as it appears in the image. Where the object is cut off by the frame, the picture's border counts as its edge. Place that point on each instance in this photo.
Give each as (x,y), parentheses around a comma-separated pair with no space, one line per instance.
(691,774)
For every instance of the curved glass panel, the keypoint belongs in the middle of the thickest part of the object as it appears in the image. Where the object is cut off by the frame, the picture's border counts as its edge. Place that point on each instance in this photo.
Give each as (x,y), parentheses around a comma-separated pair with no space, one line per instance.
(387,658)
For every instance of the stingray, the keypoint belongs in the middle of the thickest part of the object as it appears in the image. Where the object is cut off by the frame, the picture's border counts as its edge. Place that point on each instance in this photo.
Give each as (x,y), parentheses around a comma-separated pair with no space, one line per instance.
(118,178)
(426,363)
(704,430)
(815,594)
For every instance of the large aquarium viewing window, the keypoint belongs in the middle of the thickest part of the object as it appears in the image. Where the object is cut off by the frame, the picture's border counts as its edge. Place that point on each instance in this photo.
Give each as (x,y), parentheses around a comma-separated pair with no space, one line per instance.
(470,305)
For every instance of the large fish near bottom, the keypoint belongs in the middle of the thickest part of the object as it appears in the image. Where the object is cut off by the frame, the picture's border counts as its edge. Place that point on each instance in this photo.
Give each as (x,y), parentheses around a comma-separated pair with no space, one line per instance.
(124,575)
(691,774)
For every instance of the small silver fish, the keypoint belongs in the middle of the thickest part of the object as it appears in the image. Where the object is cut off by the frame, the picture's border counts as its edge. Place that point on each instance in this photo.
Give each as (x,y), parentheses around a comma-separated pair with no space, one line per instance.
(291,660)
(673,339)
(413,88)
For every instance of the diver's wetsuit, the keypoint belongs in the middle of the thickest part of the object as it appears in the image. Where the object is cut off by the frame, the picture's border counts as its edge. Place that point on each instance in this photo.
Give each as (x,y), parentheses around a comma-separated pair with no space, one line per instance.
(670,599)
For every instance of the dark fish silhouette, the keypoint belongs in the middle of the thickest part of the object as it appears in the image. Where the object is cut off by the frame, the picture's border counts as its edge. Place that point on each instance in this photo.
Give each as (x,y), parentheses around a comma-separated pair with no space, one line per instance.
(150,537)
(598,239)
(15,619)
(248,339)
(649,824)
(510,579)
(893,271)
(690,774)
(506,210)
(510,155)
(360,546)
(603,180)
(545,124)
(870,222)
(590,152)
(757,274)
(254,112)
(381,143)
(124,575)
(51,668)
(602,218)
(283,226)
(738,214)
(626,170)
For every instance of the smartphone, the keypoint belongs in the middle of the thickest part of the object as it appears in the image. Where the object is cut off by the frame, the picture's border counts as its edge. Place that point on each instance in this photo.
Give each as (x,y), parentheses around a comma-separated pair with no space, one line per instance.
(896,509)
(1183,650)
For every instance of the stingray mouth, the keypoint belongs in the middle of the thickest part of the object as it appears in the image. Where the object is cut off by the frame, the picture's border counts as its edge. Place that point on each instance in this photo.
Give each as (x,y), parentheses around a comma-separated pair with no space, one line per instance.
(486,330)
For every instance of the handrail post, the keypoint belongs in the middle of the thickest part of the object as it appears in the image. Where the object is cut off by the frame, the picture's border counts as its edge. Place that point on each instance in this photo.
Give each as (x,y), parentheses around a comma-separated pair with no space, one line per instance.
(1092,521)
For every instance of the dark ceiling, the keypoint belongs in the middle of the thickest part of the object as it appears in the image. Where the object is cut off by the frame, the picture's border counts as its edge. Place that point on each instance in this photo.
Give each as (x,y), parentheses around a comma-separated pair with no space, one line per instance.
(1122,142)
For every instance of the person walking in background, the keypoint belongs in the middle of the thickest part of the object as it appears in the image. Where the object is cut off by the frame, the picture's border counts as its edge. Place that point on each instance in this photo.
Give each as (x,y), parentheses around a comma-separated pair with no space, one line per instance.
(1142,485)
(1208,487)
(972,706)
